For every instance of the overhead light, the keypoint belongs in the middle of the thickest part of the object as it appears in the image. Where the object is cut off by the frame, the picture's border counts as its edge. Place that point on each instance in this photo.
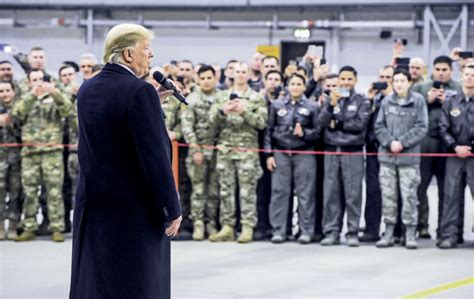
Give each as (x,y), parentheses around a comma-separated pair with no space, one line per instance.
(302,33)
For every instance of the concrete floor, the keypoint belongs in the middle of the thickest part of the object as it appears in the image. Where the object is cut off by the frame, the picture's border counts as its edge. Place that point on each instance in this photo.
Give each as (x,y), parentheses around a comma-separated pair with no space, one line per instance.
(41,269)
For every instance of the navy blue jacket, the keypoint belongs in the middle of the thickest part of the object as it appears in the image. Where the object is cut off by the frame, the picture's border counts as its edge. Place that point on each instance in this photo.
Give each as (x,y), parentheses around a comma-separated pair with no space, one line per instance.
(282,119)
(125,191)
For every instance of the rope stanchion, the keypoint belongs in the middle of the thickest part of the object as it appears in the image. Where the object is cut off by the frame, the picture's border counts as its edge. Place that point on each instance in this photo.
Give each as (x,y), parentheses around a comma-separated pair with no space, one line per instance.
(175,163)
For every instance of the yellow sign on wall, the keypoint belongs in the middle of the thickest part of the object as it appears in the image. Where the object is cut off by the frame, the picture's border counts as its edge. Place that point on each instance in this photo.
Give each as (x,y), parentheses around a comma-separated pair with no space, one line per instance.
(269,50)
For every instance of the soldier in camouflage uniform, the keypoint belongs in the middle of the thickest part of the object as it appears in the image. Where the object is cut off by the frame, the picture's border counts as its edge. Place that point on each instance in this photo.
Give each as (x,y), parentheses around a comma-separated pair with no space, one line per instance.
(238,121)
(41,112)
(201,162)
(10,167)
(401,124)
(173,110)
(67,76)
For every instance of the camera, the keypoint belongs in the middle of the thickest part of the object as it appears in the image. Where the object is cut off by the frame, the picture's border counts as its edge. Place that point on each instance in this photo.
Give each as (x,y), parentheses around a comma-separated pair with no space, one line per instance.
(403,41)
(466,54)
(438,84)
(233,96)
(276,92)
(379,86)
(46,78)
(402,61)
(180,79)
(344,92)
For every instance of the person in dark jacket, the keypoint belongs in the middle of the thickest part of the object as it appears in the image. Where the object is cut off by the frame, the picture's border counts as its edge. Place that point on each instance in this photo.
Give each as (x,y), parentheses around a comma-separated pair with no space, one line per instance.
(434,95)
(292,125)
(127,205)
(457,132)
(373,204)
(344,116)
(401,124)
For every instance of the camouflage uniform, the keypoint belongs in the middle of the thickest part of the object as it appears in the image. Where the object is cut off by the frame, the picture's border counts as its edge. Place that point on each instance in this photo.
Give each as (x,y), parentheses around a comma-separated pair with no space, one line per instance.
(197,131)
(173,110)
(42,122)
(71,162)
(405,121)
(10,170)
(238,131)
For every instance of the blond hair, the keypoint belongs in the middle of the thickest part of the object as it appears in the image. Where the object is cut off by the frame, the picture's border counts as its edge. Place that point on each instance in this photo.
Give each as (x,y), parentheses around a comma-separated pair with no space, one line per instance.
(121,37)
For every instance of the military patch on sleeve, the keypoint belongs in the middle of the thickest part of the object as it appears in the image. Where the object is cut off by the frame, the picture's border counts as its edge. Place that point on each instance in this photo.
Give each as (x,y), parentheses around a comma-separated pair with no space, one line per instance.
(282,112)
(303,111)
(392,109)
(455,112)
(352,108)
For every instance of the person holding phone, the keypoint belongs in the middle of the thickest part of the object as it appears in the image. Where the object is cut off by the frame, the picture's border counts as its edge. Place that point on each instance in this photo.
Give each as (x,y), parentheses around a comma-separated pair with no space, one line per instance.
(41,112)
(292,125)
(401,124)
(373,207)
(239,113)
(434,92)
(344,116)
(10,164)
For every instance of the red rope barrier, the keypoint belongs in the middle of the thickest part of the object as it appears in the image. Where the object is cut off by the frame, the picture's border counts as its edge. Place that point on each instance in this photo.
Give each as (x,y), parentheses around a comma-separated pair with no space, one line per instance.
(259,150)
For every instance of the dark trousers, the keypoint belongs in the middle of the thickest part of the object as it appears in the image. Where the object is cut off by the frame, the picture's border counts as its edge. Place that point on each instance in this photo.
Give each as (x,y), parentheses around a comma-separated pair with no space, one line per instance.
(318,229)
(185,189)
(429,167)
(342,187)
(461,173)
(298,169)
(373,204)
(264,193)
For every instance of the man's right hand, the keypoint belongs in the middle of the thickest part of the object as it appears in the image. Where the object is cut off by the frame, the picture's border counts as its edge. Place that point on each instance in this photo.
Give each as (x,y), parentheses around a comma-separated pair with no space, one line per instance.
(271,164)
(463,151)
(335,96)
(173,227)
(229,106)
(37,90)
(434,94)
(5,119)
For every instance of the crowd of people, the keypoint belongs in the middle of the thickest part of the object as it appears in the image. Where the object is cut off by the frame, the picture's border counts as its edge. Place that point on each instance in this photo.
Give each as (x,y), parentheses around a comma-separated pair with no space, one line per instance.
(253,139)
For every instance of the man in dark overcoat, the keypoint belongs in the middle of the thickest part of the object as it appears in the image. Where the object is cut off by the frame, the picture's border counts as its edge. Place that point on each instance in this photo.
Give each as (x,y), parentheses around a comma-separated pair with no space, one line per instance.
(126,206)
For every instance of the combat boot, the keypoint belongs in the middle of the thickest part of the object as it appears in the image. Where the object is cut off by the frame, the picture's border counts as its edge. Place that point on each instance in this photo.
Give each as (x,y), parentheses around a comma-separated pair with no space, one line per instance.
(25,236)
(411,238)
(330,240)
(57,236)
(198,231)
(387,239)
(211,229)
(12,227)
(225,234)
(424,234)
(247,234)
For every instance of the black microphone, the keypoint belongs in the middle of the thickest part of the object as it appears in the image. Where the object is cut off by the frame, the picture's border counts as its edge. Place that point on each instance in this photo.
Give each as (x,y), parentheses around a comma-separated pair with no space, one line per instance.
(160,78)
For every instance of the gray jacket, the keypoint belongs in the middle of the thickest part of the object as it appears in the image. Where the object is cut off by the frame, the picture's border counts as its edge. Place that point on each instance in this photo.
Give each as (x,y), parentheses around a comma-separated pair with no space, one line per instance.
(346,123)
(405,122)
